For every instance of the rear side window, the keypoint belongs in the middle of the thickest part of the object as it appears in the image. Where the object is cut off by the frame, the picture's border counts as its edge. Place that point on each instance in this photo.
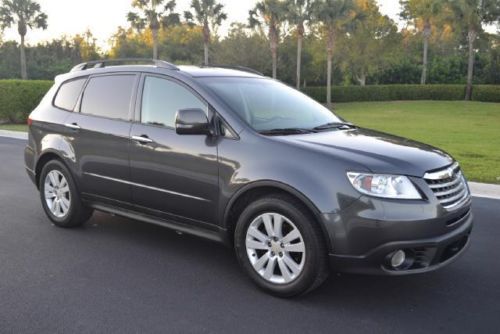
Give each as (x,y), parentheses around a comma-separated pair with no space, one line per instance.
(108,96)
(68,94)
(161,99)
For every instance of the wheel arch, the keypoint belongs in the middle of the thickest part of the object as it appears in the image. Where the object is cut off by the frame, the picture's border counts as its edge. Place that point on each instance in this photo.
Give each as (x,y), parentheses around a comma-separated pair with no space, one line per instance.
(43,160)
(258,189)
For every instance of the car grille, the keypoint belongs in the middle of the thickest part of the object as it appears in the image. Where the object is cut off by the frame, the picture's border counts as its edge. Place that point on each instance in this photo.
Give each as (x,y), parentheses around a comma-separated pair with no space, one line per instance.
(448,185)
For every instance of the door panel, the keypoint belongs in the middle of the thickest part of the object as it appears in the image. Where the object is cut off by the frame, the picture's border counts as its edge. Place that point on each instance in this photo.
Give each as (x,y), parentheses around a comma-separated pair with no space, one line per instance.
(101,150)
(176,175)
(101,132)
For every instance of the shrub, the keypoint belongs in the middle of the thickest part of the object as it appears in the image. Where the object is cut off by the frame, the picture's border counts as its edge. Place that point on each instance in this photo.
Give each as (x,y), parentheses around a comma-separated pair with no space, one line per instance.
(486,93)
(388,93)
(18,98)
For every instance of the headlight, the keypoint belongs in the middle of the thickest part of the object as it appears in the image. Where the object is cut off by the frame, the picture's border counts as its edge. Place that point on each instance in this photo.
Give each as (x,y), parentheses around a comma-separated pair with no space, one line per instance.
(386,186)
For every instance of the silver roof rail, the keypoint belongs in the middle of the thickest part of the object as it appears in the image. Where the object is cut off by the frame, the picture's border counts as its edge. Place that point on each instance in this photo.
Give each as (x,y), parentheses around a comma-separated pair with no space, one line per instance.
(123,61)
(235,67)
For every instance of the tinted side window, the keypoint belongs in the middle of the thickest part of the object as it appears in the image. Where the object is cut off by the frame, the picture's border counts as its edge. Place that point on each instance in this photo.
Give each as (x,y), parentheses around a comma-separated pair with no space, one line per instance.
(162,99)
(68,94)
(108,96)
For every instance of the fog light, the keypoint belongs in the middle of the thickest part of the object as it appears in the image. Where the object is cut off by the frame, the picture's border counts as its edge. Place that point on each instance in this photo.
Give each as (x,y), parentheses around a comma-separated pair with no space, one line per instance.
(398,258)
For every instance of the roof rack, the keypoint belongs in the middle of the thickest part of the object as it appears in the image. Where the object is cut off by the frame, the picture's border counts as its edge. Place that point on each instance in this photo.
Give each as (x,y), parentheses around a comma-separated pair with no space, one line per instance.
(235,67)
(105,62)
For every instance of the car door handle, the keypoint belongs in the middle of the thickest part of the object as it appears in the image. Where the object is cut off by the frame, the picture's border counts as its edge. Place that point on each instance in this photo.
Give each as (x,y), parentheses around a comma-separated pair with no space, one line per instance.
(73,126)
(142,139)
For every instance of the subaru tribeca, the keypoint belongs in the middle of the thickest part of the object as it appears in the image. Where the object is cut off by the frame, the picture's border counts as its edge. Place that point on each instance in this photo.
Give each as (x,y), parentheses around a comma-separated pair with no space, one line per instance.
(232,156)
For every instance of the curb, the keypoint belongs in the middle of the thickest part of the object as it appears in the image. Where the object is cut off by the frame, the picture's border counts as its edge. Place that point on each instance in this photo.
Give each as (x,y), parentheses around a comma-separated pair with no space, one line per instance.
(14,134)
(483,190)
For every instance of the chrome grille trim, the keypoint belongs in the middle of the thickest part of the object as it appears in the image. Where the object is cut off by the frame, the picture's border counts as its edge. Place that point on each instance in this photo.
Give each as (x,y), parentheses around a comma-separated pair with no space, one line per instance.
(444,185)
(448,185)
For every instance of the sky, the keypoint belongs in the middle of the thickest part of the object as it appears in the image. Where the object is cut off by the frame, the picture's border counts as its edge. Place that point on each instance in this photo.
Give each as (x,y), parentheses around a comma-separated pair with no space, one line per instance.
(102,17)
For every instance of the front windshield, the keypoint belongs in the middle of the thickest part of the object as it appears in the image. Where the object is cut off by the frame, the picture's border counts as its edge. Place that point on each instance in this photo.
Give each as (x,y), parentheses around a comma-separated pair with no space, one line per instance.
(269,105)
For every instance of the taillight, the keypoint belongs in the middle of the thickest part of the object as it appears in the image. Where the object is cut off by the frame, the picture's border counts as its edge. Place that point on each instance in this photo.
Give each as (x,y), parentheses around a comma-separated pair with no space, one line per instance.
(30,121)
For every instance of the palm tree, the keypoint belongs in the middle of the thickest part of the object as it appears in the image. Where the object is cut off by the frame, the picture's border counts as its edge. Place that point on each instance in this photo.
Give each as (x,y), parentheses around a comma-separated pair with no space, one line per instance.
(298,13)
(270,13)
(333,15)
(472,15)
(423,13)
(207,13)
(154,14)
(27,14)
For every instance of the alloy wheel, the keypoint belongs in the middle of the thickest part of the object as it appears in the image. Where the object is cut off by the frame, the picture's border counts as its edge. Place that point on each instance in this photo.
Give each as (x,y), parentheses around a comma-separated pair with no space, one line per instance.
(57,194)
(275,248)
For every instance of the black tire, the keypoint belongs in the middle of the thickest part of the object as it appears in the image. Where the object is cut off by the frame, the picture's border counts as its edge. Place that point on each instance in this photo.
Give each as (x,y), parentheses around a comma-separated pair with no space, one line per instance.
(315,269)
(77,214)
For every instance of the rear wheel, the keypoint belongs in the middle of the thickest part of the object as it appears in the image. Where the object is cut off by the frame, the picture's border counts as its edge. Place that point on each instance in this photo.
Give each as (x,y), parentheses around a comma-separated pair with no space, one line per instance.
(60,199)
(280,246)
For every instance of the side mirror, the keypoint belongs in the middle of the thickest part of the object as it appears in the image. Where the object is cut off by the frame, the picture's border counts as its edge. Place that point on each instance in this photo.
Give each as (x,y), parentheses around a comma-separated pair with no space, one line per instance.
(191,122)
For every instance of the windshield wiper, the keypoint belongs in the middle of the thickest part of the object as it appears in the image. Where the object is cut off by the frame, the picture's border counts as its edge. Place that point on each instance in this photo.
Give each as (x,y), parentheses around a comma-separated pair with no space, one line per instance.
(286,131)
(335,125)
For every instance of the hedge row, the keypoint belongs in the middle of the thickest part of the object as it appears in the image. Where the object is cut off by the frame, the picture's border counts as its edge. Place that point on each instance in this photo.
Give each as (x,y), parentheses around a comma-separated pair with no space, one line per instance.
(18,98)
(486,93)
(389,93)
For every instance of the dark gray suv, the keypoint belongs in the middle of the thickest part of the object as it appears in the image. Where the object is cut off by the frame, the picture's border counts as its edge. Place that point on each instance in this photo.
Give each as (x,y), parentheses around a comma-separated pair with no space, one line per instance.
(235,157)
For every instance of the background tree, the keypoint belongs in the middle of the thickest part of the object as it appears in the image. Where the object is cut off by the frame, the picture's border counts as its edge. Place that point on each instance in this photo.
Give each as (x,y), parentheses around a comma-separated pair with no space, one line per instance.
(472,15)
(208,14)
(27,14)
(271,14)
(422,14)
(154,14)
(298,13)
(370,41)
(333,15)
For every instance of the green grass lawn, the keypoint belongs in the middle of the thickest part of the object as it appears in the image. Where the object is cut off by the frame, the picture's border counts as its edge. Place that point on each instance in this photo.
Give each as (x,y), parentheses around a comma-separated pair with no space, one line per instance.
(14,127)
(470,131)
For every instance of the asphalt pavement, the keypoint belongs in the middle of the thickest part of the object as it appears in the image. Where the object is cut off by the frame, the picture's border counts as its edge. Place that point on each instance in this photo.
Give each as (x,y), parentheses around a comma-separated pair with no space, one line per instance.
(123,276)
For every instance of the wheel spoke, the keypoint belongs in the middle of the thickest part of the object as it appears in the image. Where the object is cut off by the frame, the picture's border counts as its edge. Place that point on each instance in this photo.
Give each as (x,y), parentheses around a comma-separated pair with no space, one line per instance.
(65,189)
(254,232)
(284,271)
(49,194)
(291,236)
(55,207)
(268,223)
(294,267)
(253,244)
(63,182)
(259,264)
(278,225)
(268,273)
(64,205)
(297,248)
(53,179)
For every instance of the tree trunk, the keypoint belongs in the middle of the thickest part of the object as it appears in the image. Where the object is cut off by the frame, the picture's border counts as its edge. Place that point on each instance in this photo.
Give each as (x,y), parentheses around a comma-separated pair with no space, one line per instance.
(472,35)
(361,79)
(330,46)
(427,34)
(299,59)
(24,72)
(155,43)
(273,40)
(206,41)
(300,38)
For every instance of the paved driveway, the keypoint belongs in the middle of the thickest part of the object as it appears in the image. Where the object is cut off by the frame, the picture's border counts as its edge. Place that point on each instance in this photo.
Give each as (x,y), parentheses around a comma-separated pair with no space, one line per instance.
(119,275)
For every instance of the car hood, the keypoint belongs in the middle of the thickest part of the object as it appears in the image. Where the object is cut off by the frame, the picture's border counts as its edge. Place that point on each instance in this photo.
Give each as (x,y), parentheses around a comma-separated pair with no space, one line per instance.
(377,151)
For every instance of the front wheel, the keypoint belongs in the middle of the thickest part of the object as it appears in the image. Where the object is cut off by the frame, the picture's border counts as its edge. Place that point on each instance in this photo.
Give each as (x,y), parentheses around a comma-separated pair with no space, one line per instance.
(280,246)
(60,198)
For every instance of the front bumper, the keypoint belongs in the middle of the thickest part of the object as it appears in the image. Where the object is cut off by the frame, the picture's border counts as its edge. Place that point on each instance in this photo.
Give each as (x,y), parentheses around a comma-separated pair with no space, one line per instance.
(364,236)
